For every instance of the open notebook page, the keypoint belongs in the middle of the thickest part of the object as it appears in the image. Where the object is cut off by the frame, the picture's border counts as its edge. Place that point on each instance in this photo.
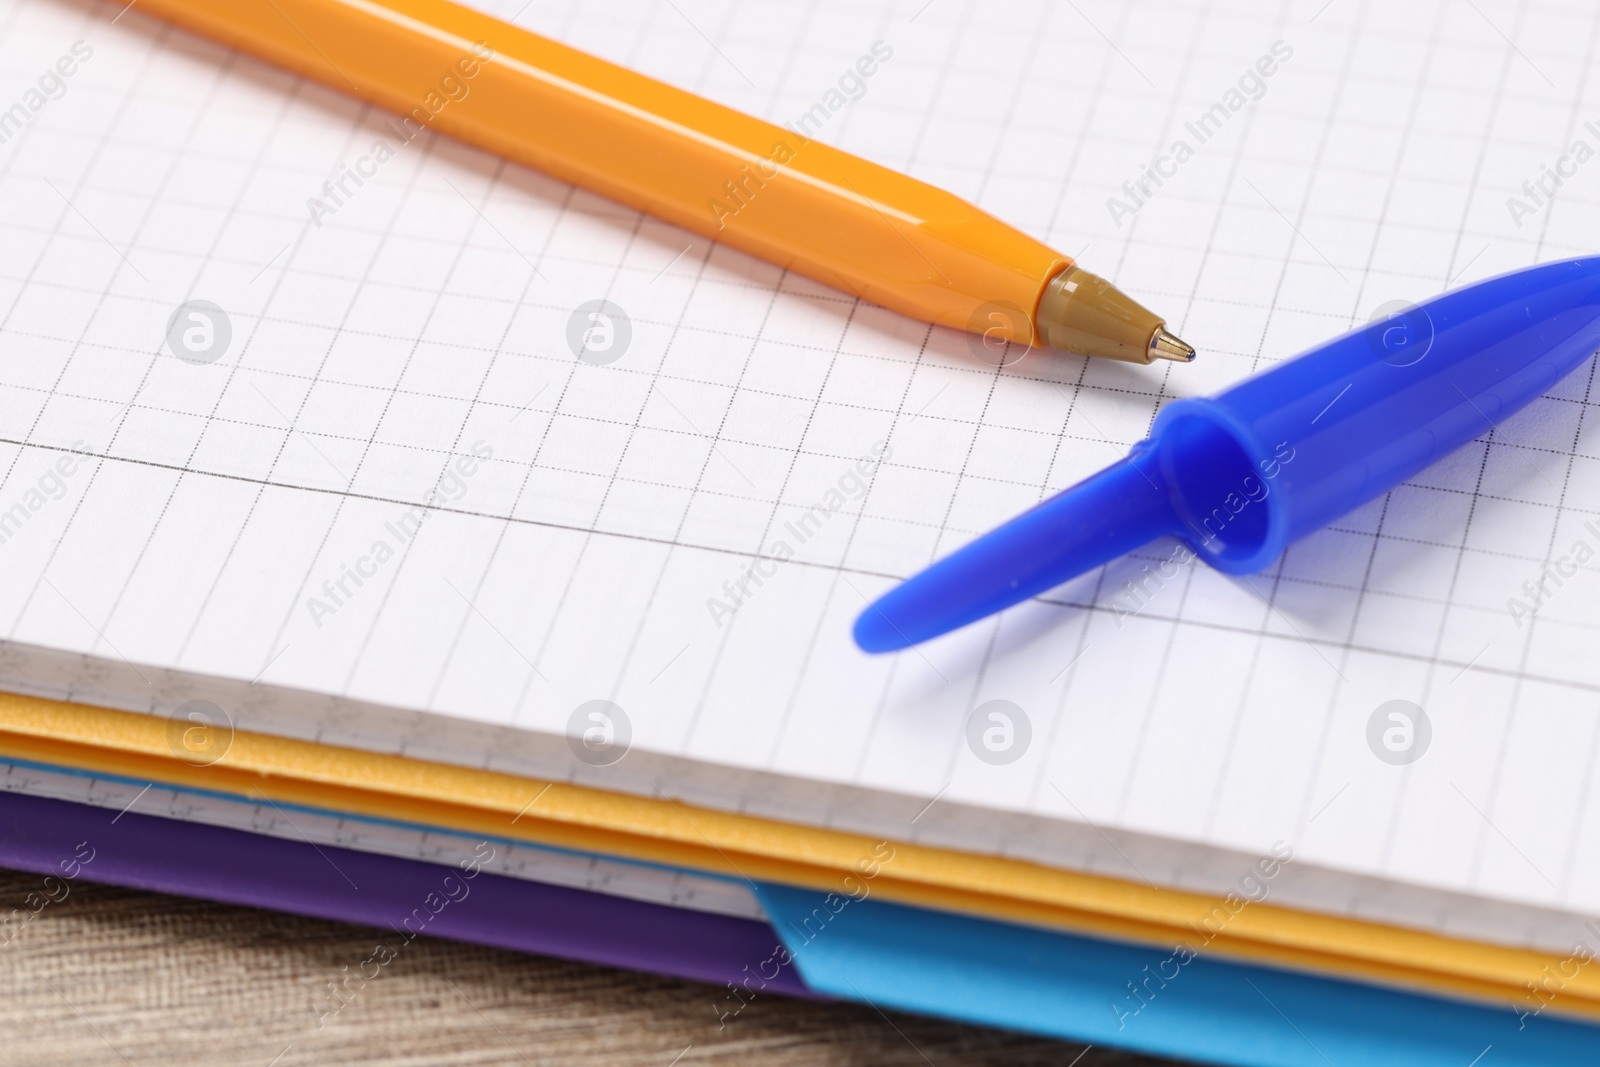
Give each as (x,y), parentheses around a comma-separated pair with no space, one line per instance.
(381,503)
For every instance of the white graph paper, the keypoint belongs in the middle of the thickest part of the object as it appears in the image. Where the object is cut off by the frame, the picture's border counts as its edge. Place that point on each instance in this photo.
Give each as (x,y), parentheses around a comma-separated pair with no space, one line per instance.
(424,322)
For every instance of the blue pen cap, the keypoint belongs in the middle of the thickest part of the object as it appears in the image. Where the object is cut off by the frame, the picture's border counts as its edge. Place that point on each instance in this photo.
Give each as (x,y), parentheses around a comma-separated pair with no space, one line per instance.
(1288,451)
(1240,475)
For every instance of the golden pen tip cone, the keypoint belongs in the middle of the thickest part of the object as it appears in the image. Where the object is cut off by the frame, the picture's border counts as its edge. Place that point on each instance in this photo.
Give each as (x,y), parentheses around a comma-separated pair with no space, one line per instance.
(1165,345)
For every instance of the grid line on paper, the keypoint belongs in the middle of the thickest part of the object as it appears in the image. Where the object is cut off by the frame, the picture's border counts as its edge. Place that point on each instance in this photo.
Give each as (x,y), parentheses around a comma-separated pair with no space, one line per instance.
(1276,576)
(660,573)
(1168,119)
(405,554)
(1028,64)
(479,401)
(225,71)
(1571,849)
(294,251)
(1080,641)
(1490,442)
(1150,710)
(1086,605)
(1432,46)
(791,456)
(1174,244)
(1496,439)
(100,298)
(786,717)
(561,604)
(401,329)
(7,165)
(522,487)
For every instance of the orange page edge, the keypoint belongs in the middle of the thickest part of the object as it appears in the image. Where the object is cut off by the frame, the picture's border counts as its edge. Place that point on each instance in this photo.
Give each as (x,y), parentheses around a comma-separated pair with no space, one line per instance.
(667,831)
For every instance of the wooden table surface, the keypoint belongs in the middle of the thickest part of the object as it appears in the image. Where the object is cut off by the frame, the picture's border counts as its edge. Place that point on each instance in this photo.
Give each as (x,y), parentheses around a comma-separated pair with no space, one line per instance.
(118,977)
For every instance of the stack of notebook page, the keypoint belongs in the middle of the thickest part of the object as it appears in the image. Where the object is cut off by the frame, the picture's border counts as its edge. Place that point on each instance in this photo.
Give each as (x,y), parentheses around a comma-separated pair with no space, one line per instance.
(375,602)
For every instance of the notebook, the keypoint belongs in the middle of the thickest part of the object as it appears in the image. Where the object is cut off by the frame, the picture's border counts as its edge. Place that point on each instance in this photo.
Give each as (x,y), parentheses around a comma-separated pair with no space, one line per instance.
(888,955)
(318,828)
(457,462)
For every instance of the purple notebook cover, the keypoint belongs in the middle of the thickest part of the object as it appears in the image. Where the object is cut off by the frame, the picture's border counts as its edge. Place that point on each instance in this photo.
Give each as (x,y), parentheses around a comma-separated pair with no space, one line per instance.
(236,867)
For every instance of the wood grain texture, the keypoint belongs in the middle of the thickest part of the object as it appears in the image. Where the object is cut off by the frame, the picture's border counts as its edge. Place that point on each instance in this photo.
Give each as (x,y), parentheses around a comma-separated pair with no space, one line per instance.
(111,976)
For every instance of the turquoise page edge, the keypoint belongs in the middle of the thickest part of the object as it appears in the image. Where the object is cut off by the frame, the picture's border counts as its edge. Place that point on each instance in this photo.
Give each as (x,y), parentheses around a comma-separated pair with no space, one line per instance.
(1126,996)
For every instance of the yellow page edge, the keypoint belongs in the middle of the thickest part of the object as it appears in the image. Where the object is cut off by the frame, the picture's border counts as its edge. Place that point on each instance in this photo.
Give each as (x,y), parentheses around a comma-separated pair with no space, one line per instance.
(667,831)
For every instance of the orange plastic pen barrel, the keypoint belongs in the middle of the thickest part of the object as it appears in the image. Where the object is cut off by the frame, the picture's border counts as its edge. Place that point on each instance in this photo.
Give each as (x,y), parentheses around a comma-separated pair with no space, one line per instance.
(764,189)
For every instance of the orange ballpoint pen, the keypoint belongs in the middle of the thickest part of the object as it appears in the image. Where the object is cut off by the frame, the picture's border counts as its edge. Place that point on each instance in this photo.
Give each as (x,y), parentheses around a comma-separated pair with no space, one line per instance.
(764,189)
